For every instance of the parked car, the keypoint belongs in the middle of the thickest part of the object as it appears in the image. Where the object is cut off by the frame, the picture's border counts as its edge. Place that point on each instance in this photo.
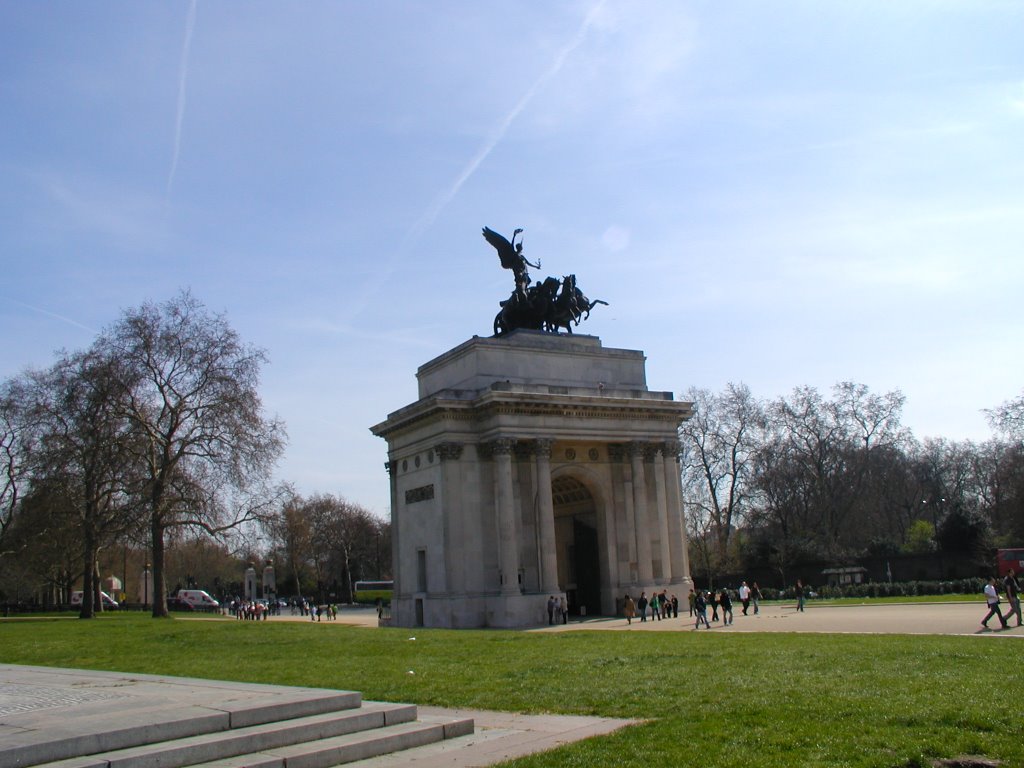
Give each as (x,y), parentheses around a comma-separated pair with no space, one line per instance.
(108,601)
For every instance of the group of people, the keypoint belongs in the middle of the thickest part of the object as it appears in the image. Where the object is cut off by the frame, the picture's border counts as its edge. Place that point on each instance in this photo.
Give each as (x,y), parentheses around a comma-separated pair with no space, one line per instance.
(318,612)
(1012,589)
(660,605)
(250,610)
(749,595)
(558,610)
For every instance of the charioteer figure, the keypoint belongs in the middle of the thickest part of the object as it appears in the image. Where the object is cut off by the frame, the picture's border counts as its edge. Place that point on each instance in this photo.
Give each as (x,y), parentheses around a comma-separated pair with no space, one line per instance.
(511,255)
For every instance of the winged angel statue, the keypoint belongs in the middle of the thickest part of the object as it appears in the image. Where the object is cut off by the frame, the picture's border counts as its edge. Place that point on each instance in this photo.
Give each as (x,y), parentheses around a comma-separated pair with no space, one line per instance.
(546,306)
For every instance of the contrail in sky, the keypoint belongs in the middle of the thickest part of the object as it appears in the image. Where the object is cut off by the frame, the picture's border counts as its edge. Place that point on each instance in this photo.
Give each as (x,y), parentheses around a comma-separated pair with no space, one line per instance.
(431,214)
(190,25)
(54,315)
(502,128)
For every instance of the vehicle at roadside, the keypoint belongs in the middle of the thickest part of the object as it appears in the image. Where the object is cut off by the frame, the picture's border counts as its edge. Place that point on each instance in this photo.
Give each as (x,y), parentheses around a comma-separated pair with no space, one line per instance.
(1009,559)
(373,591)
(196,600)
(108,601)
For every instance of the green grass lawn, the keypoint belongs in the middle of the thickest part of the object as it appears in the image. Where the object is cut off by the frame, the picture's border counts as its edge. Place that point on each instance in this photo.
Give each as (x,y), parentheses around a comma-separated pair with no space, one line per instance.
(711,699)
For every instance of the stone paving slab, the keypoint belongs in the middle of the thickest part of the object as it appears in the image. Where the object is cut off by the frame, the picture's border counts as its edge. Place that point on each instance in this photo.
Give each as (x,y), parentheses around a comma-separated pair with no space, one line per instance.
(60,713)
(499,736)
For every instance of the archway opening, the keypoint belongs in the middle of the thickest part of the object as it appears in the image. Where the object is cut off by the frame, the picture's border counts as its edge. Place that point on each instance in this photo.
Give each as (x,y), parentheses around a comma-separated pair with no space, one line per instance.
(579,566)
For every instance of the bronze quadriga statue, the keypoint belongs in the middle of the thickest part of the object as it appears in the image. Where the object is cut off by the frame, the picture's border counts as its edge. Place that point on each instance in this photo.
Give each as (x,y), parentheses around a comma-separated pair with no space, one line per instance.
(546,306)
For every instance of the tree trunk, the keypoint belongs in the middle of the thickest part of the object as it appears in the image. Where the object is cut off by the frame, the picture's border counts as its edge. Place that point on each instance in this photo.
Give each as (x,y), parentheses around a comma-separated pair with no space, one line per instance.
(87,610)
(159,581)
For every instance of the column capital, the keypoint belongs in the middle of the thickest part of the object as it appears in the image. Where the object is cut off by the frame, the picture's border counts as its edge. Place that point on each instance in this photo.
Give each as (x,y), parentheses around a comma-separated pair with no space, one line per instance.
(542,447)
(616,451)
(391,467)
(503,446)
(672,449)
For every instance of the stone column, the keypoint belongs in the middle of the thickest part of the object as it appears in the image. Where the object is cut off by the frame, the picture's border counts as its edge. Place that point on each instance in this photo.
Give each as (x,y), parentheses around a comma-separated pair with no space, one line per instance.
(250,583)
(546,523)
(662,500)
(645,570)
(396,553)
(269,582)
(452,517)
(508,542)
(676,521)
(623,494)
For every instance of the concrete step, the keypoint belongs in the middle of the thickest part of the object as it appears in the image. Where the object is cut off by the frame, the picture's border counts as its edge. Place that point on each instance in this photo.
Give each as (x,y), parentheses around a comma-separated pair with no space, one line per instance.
(104,732)
(351,747)
(208,747)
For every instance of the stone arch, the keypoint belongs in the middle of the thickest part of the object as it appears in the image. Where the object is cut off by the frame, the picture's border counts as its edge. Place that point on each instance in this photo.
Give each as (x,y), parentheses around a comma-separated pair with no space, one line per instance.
(577,506)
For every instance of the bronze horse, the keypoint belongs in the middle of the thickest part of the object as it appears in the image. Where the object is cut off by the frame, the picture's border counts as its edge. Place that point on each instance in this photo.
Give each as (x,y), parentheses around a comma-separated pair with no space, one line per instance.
(570,307)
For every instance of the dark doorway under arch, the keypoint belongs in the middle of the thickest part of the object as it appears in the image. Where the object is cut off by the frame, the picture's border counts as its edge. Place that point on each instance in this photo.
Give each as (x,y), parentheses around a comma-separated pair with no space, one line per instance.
(579,566)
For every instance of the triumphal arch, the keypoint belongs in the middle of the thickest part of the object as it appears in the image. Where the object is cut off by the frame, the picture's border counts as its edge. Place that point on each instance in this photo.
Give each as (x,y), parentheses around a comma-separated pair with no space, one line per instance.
(534,463)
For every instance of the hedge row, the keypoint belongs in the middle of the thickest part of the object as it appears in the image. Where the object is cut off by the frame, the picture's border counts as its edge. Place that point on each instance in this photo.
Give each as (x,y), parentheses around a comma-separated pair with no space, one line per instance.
(972,586)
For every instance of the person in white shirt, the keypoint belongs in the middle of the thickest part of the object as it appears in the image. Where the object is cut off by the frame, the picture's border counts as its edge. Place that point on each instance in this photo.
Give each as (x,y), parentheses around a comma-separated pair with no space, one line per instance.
(744,596)
(992,599)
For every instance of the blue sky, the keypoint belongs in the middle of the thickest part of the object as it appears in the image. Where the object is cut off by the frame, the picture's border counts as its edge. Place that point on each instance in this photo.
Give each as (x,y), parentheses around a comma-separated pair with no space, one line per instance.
(782,194)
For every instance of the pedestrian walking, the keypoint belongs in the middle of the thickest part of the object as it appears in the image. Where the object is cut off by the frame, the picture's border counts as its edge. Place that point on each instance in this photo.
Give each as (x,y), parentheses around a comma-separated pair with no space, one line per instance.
(725,601)
(1012,589)
(992,600)
(744,593)
(700,609)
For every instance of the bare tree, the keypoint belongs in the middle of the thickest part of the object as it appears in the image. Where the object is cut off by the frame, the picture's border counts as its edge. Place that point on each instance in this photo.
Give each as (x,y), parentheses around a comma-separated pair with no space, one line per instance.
(192,399)
(16,435)
(1008,418)
(338,541)
(831,443)
(45,535)
(85,447)
(351,536)
(718,446)
(291,537)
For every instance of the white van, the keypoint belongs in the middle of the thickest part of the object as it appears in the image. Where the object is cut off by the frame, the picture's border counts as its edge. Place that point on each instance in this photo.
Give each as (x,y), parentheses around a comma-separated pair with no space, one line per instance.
(197,599)
(108,601)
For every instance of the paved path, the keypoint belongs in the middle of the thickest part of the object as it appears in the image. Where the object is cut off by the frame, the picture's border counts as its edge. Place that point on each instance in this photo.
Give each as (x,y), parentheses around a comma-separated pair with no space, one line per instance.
(886,618)
(904,619)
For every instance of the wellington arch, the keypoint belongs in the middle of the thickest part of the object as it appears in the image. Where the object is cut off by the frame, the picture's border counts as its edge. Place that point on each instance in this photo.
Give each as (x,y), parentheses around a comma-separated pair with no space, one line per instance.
(533,465)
